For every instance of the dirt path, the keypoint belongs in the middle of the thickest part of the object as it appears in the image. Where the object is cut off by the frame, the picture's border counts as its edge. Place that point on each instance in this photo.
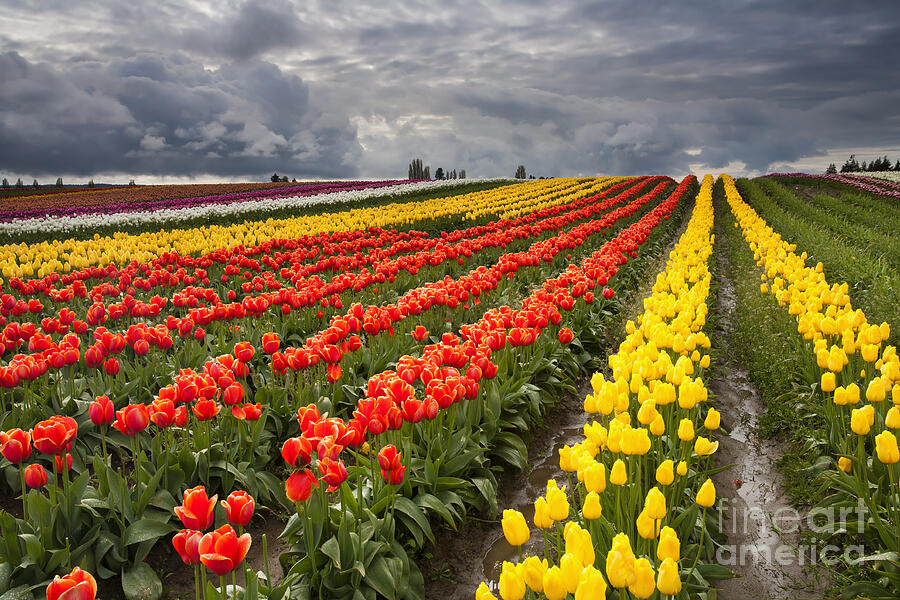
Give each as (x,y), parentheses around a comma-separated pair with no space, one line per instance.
(763,529)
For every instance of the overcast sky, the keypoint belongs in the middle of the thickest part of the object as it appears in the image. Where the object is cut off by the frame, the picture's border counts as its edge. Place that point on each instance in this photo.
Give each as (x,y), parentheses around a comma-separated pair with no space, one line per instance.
(169,90)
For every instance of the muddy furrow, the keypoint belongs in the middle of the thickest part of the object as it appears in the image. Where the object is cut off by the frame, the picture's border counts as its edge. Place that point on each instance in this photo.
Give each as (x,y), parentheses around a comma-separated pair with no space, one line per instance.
(763,529)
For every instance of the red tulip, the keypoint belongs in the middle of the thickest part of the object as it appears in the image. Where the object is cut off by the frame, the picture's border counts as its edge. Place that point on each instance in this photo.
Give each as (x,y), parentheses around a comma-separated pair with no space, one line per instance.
(334,372)
(101,411)
(205,410)
(222,550)
(566,335)
(132,419)
(296,449)
(270,343)
(248,412)
(77,585)
(333,472)
(35,476)
(15,445)
(394,476)
(419,333)
(239,508)
(389,458)
(55,435)
(181,416)
(187,544)
(244,351)
(197,510)
(111,366)
(608,293)
(233,394)
(59,463)
(298,486)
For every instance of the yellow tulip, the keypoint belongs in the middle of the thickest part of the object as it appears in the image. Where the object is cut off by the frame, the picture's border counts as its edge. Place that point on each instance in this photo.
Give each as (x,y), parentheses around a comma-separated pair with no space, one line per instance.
(591,584)
(511,584)
(484,592)
(707,495)
(892,418)
(644,579)
(515,529)
(646,526)
(886,448)
(557,502)
(618,475)
(658,426)
(828,381)
(859,423)
(542,518)
(595,478)
(686,430)
(704,447)
(565,459)
(665,474)
(876,392)
(592,509)
(669,545)
(579,543)
(655,503)
(554,584)
(845,464)
(667,581)
(534,570)
(681,469)
(713,420)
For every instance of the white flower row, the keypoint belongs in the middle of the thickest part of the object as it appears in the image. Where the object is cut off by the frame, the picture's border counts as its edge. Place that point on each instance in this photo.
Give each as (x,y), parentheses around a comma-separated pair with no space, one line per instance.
(886,175)
(63,224)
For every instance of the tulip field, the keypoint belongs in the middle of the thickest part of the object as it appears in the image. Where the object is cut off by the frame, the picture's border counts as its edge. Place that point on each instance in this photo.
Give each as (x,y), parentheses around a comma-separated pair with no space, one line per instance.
(365,365)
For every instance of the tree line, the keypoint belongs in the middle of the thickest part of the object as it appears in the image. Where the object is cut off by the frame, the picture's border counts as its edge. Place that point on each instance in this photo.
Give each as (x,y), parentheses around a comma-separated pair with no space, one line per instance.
(851,165)
(418,170)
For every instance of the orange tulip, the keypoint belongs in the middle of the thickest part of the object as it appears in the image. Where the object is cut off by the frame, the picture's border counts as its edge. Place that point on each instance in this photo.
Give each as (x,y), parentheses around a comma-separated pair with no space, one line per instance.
(132,419)
(198,510)
(15,445)
(298,486)
(77,585)
(55,435)
(187,544)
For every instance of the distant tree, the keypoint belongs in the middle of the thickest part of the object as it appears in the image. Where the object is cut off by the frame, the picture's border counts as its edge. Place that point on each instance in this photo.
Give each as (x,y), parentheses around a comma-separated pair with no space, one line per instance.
(90,183)
(35,184)
(19,183)
(294,180)
(462,174)
(275,178)
(850,166)
(520,172)
(284,179)
(416,170)
(897,165)
(831,170)
(59,182)
(131,183)
(427,173)
(439,174)
(5,183)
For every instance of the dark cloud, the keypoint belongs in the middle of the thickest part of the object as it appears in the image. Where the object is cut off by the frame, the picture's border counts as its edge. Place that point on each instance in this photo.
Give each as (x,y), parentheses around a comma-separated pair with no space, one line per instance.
(341,88)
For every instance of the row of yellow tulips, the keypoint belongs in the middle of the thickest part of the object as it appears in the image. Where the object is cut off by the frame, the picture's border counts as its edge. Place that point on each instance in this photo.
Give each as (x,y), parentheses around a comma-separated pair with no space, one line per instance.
(39,259)
(641,439)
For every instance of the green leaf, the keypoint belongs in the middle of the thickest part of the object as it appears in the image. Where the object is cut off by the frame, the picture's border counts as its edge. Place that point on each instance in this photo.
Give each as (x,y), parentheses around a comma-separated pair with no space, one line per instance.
(406,507)
(332,550)
(141,583)
(380,576)
(715,572)
(431,502)
(145,529)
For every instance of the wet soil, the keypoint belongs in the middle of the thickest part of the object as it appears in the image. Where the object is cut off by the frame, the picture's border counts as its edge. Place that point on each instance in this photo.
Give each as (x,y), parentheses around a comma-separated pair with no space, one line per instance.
(764,544)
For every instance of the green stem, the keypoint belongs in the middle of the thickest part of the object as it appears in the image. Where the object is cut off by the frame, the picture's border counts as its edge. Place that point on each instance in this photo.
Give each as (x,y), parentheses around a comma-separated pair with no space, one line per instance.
(699,549)
(24,504)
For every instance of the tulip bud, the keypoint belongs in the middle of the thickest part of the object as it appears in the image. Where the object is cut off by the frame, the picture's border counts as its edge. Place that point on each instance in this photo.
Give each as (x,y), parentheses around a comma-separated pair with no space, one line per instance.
(876,391)
(484,592)
(515,529)
(542,518)
(859,423)
(618,475)
(712,420)
(845,464)
(557,502)
(686,430)
(590,584)
(668,582)
(707,495)
(665,474)
(534,571)
(35,476)
(592,509)
(655,504)
(886,448)
(669,545)
(554,584)
(892,419)
(511,584)
(828,381)
(681,469)
(644,579)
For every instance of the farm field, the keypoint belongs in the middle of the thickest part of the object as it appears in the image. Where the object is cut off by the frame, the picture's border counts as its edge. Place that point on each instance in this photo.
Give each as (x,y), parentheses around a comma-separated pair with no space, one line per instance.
(623,387)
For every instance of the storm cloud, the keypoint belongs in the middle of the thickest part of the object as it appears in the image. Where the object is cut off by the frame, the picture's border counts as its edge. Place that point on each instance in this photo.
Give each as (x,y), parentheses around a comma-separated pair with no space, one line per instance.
(341,89)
